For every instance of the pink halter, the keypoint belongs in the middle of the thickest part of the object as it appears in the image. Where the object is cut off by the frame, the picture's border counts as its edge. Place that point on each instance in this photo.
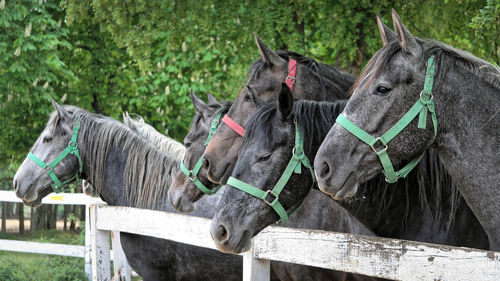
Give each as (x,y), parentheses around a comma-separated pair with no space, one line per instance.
(290,81)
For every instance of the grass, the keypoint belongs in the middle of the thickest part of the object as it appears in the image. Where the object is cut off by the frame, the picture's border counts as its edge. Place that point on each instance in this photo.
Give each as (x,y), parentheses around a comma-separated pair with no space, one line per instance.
(38,267)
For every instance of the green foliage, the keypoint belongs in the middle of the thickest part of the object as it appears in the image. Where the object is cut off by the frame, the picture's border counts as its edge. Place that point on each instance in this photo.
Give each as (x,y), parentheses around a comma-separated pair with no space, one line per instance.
(111,56)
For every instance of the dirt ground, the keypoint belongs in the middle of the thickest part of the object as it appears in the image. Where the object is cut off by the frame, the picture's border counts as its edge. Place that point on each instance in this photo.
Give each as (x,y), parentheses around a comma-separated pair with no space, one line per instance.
(13,225)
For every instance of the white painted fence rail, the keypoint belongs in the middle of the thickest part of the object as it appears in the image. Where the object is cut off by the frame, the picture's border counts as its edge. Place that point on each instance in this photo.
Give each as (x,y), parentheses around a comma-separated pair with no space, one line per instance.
(380,257)
(122,268)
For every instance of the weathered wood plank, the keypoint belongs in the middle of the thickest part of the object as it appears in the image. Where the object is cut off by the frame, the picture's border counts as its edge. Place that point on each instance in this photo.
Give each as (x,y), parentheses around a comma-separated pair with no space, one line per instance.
(175,227)
(381,257)
(54,198)
(42,248)
(100,256)
(255,269)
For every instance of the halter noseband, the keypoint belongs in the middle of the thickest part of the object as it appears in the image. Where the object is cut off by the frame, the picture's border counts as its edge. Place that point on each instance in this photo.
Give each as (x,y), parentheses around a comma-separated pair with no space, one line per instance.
(424,104)
(193,174)
(294,166)
(72,148)
(290,82)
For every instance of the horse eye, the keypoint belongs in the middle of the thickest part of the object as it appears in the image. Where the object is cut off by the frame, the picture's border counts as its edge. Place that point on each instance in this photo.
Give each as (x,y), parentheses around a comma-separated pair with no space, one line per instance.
(187,144)
(47,139)
(263,157)
(248,97)
(382,91)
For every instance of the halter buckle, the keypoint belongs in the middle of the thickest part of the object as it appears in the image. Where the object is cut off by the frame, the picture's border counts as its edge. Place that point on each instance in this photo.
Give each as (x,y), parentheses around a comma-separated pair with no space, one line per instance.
(375,150)
(191,176)
(269,192)
(290,77)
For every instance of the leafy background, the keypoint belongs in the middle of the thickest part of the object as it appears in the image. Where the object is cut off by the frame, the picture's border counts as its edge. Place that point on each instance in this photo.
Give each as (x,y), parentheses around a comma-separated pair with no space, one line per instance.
(111,56)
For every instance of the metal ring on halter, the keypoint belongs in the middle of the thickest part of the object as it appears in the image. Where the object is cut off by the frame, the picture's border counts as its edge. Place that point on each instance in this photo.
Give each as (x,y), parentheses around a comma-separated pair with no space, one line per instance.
(267,194)
(290,77)
(73,142)
(373,146)
(192,176)
(427,100)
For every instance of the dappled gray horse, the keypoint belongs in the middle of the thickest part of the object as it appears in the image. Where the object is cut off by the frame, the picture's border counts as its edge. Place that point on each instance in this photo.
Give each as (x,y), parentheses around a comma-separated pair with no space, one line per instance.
(126,170)
(456,97)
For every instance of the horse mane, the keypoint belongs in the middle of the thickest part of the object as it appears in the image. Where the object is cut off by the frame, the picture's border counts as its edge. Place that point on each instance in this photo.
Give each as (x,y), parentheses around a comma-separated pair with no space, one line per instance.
(164,143)
(446,57)
(430,179)
(324,72)
(148,172)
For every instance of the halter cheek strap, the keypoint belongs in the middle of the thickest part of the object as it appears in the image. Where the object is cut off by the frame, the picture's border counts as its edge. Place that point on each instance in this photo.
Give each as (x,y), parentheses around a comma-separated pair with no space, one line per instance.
(271,197)
(193,174)
(421,107)
(72,148)
(290,82)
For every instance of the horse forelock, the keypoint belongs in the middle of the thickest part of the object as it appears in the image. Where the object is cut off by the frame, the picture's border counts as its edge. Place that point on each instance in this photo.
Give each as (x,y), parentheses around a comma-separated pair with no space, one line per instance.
(148,172)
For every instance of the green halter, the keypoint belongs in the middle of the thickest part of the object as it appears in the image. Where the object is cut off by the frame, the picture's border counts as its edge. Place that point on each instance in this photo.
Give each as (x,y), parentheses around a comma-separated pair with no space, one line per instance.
(294,166)
(193,174)
(424,104)
(72,148)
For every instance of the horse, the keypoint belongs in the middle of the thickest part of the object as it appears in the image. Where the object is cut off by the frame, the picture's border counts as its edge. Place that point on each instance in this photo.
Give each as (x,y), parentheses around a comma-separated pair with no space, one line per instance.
(126,170)
(457,98)
(425,207)
(307,78)
(164,143)
(184,190)
(195,142)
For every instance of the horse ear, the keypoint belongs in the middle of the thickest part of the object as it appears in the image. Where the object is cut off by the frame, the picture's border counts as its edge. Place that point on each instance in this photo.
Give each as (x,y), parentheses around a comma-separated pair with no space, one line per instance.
(199,104)
(285,102)
(406,40)
(386,33)
(128,121)
(61,112)
(211,98)
(268,56)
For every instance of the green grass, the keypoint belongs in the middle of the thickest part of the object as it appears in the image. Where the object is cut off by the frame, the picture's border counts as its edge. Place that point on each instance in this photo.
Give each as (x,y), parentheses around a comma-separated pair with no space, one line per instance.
(38,267)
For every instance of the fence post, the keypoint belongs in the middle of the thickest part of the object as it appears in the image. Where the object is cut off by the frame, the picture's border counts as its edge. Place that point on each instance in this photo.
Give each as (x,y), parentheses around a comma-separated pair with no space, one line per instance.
(88,250)
(100,249)
(120,265)
(255,269)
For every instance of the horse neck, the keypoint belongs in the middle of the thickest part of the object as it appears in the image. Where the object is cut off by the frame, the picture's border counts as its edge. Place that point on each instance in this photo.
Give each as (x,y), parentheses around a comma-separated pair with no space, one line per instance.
(467,109)
(166,144)
(336,83)
(123,178)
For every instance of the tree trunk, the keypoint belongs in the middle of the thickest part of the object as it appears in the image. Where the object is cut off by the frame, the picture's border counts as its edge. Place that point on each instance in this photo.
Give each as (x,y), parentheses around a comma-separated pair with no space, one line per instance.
(74,211)
(4,216)
(10,210)
(20,215)
(67,208)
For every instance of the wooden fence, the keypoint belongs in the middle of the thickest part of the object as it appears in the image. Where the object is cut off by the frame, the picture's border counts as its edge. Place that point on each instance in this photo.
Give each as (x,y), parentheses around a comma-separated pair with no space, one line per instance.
(122,269)
(373,256)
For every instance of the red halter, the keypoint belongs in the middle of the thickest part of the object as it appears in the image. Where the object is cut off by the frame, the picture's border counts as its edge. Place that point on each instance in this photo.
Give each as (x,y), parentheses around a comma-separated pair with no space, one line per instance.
(290,81)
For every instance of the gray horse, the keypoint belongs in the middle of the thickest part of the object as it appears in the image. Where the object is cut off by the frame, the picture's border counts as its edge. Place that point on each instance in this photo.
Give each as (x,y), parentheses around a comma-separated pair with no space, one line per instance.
(459,118)
(125,170)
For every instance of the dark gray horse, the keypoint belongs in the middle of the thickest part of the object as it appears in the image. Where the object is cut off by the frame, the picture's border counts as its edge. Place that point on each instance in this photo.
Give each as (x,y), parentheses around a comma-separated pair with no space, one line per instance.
(459,118)
(315,206)
(126,170)
(183,192)
(425,207)
(310,80)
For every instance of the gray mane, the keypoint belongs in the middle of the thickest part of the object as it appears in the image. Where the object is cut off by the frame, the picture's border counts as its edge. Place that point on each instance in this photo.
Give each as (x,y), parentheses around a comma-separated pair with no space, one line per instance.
(164,143)
(446,57)
(148,172)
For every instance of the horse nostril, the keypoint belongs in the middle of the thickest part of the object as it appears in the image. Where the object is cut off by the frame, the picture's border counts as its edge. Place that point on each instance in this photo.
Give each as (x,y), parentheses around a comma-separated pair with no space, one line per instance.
(15,185)
(325,170)
(222,235)
(206,163)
